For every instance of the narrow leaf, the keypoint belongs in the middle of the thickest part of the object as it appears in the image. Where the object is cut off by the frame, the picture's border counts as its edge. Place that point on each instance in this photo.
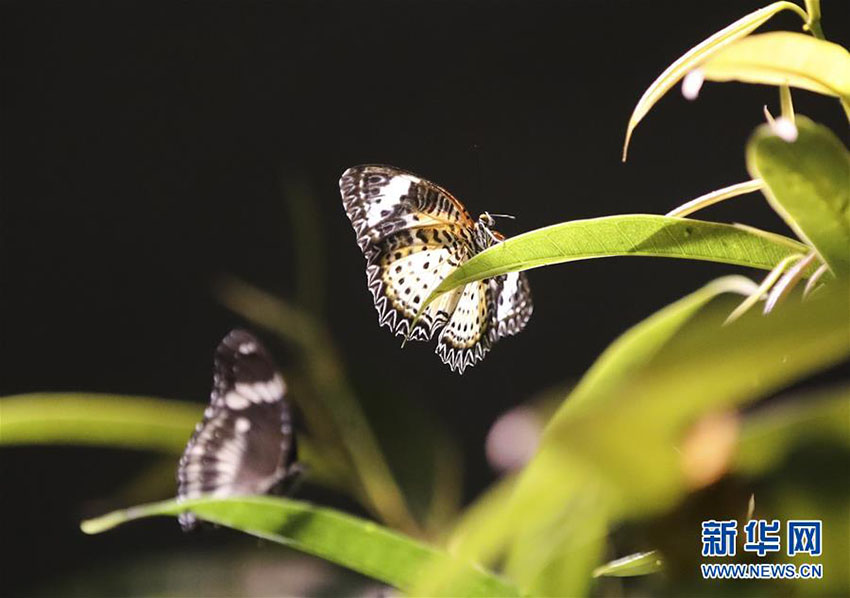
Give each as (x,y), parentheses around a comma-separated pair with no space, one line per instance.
(709,199)
(640,563)
(698,54)
(771,433)
(807,182)
(357,544)
(98,419)
(784,58)
(630,234)
(119,421)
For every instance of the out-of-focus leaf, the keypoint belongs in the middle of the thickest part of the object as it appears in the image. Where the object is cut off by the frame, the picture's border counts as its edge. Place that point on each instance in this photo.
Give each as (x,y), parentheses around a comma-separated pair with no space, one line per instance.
(494,520)
(699,53)
(336,415)
(636,347)
(557,560)
(120,421)
(620,445)
(807,182)
(632,234)
(357,544)
(734,365)
(640,563)
(233,569)
(784,58)
(98,419)
(308,245)
(768,435)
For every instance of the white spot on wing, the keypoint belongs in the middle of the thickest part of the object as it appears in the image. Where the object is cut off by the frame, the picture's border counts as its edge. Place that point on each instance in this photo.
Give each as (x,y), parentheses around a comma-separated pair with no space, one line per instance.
(243,424)
(235,400)
(391,194)
(248,348)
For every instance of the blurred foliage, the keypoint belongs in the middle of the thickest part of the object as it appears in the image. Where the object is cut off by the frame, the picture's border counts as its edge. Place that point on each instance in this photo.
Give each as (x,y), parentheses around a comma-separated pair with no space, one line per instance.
(355,543)
(675,423)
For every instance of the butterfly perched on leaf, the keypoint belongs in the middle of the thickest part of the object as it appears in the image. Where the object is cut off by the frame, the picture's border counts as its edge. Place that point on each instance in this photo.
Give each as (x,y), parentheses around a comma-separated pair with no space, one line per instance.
(413,233)
(246,441)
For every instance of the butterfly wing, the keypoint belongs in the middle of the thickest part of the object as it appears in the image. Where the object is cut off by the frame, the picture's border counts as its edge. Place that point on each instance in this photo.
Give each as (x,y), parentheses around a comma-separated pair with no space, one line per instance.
(467,337)
(413,233)
(382,200)
(487,311)
(513,304)
(245,443)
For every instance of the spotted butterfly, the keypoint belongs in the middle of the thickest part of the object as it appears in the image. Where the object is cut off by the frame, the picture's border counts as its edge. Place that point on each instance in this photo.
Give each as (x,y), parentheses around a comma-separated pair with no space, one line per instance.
(413,233)
(246,442)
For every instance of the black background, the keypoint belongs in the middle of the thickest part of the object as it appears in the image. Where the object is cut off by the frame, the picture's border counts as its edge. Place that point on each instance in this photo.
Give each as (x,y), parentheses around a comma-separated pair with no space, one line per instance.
(144,147)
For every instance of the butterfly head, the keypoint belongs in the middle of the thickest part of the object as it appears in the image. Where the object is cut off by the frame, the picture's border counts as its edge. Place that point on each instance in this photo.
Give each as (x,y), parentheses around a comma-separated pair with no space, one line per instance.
(486,235)
(486,219)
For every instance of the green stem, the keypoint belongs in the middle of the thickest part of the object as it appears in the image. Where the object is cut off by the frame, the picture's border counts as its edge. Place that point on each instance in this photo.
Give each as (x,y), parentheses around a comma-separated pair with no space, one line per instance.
(813,20)
(786,103)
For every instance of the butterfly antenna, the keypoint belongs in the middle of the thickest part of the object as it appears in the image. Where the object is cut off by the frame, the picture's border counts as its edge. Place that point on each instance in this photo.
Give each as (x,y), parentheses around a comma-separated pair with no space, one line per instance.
(508,216)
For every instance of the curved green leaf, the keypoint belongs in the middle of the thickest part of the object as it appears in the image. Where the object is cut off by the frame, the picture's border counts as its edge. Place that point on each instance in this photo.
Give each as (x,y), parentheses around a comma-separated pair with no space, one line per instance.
(636,347)
(613,441)
(698,54)
(783,58)
(357,544)
(336,414)
(807,182)
(640,563)
(118,421)
(629,234)
(769,434)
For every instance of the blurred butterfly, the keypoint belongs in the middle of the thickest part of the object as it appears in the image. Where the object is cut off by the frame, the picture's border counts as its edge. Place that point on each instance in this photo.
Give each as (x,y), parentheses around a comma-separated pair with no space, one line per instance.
(246,441)
(413,233)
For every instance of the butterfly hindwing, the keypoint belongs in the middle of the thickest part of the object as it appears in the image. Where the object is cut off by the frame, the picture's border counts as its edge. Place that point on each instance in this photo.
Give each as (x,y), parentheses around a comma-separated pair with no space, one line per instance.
(407,268)
(245,443)
(467,336)
(513,304)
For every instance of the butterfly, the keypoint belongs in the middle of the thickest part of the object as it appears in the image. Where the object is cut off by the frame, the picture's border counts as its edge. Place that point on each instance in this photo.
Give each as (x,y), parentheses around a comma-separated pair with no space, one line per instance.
(413,233)
(246,441)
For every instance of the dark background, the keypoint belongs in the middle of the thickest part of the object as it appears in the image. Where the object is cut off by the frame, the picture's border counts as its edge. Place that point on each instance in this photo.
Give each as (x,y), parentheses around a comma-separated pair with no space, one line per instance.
(144,152)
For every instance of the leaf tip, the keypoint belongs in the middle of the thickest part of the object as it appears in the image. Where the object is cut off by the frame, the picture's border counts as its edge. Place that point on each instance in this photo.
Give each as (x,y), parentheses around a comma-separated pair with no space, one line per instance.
(91,527)
(692,83)
(629,130)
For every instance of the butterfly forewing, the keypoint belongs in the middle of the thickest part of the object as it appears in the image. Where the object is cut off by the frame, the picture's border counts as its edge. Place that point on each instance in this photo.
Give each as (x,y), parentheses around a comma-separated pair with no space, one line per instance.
(413,233)
(245,443)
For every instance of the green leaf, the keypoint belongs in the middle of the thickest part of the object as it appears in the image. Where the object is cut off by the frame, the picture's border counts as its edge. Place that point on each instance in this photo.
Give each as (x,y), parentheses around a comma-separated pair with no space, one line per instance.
(629,234)
(335,413)
(640,563)
(357,544)
(734,365)
(783,58)
(769,434)
(118,421)
(807,182)
(614,441)
(699,53)
(98,419)
(636,347)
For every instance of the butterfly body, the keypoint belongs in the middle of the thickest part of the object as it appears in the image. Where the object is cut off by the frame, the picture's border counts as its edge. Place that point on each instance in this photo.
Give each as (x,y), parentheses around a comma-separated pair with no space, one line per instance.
(413,233)
(246,441)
